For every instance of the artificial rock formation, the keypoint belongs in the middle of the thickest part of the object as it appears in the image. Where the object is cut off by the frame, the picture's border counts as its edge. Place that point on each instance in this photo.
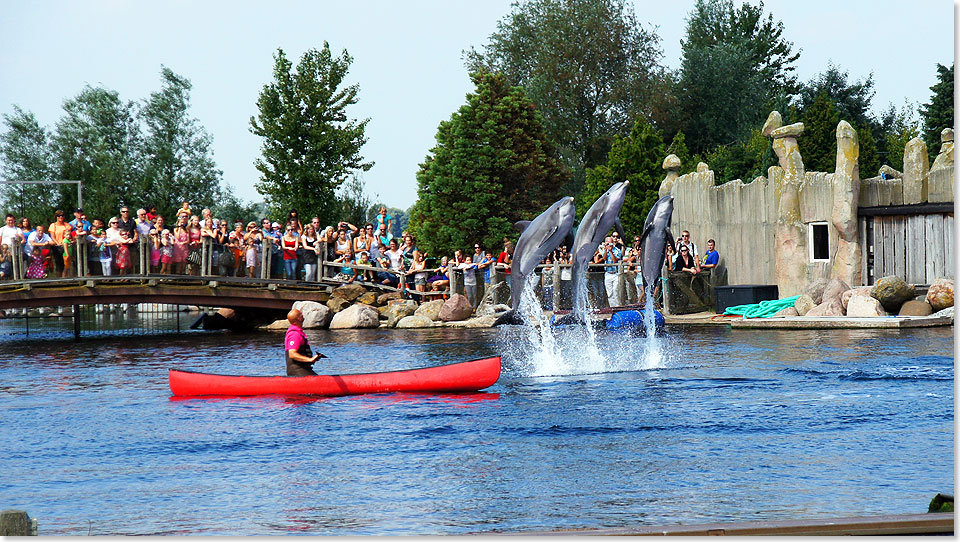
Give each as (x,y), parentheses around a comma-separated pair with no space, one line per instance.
(355,317)
(672,165)
(916,171)
(862,306)
(940,185)
(846,196)
(790,232)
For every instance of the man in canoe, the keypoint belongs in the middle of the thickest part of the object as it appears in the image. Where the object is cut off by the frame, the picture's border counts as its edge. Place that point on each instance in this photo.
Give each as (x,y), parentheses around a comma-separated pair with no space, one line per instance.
(300,358)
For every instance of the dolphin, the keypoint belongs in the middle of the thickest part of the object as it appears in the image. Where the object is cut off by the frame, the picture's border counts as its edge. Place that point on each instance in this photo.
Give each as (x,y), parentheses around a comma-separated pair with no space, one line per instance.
(538,239)
(654,240)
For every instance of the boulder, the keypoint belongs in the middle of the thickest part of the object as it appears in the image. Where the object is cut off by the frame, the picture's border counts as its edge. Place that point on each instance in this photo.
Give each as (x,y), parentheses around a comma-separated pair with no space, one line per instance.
(888,172)
(414,321)
(337,304)
(356,317)
(383,311)
(861,306)
(368,298)
(815,290)
(398,309)
(859,290)
(831,307)
(892,291)
(430,309)
(493,310)
(350,292)
(456,308)
(940,294)
(803,304)
(481,321)
(383,299)
(915,308)
(788,311)
(277,325)
(491,295)
(227,314)
(833,290)
(315,315)
(790,130)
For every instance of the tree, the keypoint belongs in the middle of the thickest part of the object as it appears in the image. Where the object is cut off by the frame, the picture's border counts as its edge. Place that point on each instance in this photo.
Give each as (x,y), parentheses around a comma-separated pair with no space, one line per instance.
(310,146)
(938,114)
(637,158)
(492,165)
(734,62)
(98,141)
(899,127)
(353,201)
(586,64)
(818,145)
(25,153)
(178,159)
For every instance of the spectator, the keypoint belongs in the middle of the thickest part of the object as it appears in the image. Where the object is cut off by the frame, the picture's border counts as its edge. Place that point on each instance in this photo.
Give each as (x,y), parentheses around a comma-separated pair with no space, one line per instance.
(484,265)
(127,224)
(122,259)
(685,261)
(10,234)
(272,235)
(6,262)
(225,261)
(363,258)
(79,223)
(374,242)
(392,260)
(181,241)
(145,226)
(152,213)
(289,243)
(194,258)
(252,240)
(441,280)
(39,242)
(685,240)
(104,251)
(184,211)
(165,245)
(311,251)
(342,245)
(59,231)
(711,258)
(408,248)
(383,219)
(383,237)
(470,265)
(346,274)
(293,217)
(236,246)
(419,270)
(505,259)
(633,257)
(209,231)
(610,254)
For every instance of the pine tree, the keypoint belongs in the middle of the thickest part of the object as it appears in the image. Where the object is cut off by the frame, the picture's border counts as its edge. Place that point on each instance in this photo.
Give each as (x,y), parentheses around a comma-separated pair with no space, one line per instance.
(492,166)
(938,114)
(818,145)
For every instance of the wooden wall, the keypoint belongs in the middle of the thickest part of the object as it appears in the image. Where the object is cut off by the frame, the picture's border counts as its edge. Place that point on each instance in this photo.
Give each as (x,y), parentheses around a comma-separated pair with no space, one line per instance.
(919,248)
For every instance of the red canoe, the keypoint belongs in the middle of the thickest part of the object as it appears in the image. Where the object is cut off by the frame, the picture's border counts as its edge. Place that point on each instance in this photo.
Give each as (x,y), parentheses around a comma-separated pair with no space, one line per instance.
(457,377)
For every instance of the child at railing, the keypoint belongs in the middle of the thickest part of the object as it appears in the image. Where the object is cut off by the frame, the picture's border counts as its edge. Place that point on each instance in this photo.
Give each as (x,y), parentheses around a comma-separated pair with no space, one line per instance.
(364,259)
(346,274)
(165,245)
(6,263)
(440,281)
(419,270)
(123,253)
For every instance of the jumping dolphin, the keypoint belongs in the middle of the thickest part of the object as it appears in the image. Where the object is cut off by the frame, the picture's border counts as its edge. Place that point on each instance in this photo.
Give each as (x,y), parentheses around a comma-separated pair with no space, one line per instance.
(654,240)
(538,239)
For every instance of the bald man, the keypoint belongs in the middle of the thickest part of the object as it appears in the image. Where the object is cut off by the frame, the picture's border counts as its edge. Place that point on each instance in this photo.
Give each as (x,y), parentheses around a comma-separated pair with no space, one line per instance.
(300,358)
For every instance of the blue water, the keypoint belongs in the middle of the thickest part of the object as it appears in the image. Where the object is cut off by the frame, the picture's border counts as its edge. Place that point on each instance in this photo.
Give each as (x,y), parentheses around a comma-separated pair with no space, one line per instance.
(730,426)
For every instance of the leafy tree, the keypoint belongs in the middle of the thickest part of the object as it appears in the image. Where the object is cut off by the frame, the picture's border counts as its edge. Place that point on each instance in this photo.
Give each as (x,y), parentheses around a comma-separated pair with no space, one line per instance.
(231,208)
(733,63)
(938,114)
(637,158)
(851,99)
(178,159)
(899,127)
(98,141)
(818,145)
(492,165)
(745,160)
(586,64)
(353,201)
(678,146)
(24,149)
(310,146)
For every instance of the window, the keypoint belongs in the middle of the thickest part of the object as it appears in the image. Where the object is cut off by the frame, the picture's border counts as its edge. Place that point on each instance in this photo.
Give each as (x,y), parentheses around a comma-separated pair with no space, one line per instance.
(819,241)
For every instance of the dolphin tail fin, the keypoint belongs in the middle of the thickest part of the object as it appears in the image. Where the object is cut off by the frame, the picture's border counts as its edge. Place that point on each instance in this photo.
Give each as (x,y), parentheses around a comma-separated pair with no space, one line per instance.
(510,318)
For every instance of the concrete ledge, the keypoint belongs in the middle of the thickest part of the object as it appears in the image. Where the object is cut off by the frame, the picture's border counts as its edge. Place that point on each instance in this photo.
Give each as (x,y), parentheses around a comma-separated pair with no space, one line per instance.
(841,322)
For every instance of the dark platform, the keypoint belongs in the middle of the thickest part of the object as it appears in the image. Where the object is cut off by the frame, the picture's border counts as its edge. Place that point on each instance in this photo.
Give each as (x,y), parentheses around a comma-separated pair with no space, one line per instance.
(744,294)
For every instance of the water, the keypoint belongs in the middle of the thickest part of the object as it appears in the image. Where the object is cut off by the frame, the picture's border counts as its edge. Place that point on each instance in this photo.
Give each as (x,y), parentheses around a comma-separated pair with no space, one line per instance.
(732,426)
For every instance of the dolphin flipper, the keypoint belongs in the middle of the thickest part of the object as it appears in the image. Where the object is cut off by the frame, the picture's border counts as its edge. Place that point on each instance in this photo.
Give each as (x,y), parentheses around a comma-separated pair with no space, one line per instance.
(508,318)
(521,225)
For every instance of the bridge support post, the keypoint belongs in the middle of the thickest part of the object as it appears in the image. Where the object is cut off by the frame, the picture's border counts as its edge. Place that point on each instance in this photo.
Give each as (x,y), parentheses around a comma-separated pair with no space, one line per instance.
(497,278)
(456,281)
(17,249)
(206,256)
(76,323)
(556,284)
(265,256)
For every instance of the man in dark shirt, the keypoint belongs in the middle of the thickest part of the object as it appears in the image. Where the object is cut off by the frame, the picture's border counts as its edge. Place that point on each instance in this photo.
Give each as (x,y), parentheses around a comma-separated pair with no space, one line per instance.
(299,357)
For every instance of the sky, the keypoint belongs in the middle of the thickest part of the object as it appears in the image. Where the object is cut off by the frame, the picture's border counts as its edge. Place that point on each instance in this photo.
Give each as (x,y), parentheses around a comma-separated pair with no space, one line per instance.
(407,60)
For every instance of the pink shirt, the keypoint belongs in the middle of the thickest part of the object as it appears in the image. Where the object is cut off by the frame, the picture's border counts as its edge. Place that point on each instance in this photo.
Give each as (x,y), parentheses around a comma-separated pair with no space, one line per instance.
(294,339)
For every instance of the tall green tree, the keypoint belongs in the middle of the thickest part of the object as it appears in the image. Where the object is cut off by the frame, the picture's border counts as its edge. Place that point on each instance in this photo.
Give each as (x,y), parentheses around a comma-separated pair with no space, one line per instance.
(310,144)
(818,145)
(899,127)
(586,64)
(637,158)
(98,141)
(493,165)
(25,156)
(178,158)
(734,62)
(938,113)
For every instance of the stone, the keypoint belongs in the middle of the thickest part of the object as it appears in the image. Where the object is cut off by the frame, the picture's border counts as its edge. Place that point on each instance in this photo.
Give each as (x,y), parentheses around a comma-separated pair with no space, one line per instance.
(946,135)
(430,309)
(315,315)
(671,162)
(790,130)
(368,298)
(358,316)
(833,290)
(350,292)
(493,310)
(702,167)
(847,258)
(774,121)
(277,325)
(788,311)
(864,306)
(383,299)
(491,295)
(337,304)
(481,321)
(831,307)
(916,172)
(456,308)
(859,290)
(803,304)
(888,172)
(227,313)
(947,312)
(383,311)
(892,291)
(940,294)
(815,290)
(398,309)
(16,523)
(915,308)
(414,322)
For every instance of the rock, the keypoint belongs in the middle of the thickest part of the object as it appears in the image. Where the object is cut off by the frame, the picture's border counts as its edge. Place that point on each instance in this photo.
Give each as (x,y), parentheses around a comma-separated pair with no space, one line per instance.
(414,321)
(803,304)
(945,312)
(702,167)
(356,316)
(456,308)
(790,130)
(916,172)
(833,290)
(398,309)
(831,307)
(946,135)
(892,291)
(227,314)
(493,310)
(915,308)
(337,304)
(490,296)
(368,298)
(788,311)
(671,162)
(315,315)
(888,172)
(815,290)
(774,121)
(940,294)
(481,321)
(350,292)
(430,309)
(383,299)
(278,325)
(383,311)
(861,306)
(859,290)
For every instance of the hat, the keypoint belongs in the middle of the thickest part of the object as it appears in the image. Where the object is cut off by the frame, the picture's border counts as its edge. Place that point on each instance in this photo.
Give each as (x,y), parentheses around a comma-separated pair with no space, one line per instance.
(78,210)
(275,225)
